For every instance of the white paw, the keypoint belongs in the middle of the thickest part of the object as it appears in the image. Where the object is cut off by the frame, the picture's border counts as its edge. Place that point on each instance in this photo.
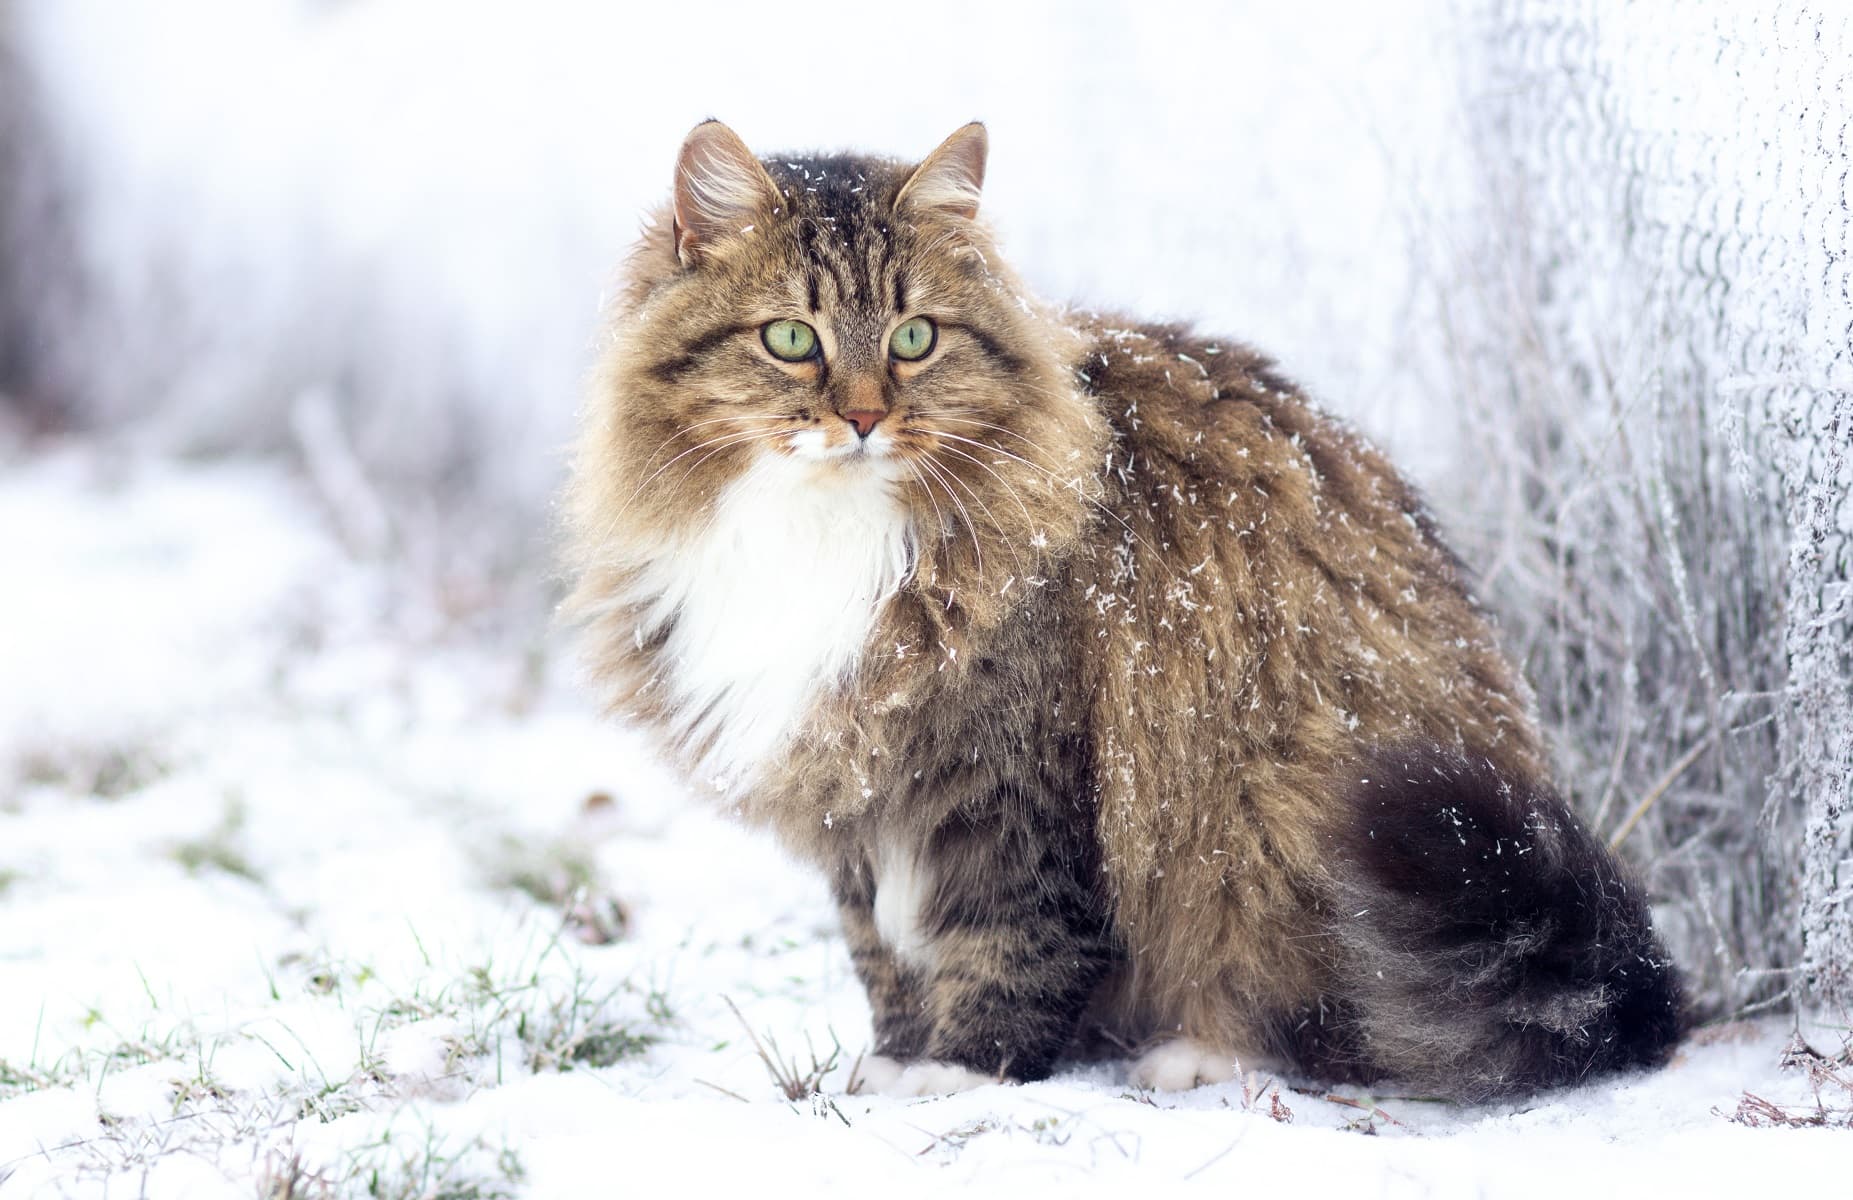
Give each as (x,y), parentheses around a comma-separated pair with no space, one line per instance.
(1182,1063)
(878,1073)
(873,1074)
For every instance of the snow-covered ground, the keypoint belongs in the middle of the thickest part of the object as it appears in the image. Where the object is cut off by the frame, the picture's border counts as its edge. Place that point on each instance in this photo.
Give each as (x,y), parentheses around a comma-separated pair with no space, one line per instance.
(303,893)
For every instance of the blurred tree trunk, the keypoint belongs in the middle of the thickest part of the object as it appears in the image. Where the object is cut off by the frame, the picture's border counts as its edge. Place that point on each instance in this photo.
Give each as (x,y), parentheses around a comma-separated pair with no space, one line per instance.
(39,274)
(11,119)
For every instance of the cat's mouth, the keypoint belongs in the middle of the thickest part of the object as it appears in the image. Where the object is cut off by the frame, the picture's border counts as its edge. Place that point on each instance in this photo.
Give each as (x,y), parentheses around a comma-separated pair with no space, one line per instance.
(853,452)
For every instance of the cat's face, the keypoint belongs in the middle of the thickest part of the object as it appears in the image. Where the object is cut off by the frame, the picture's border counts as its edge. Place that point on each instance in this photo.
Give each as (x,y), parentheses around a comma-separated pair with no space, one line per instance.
(844,314)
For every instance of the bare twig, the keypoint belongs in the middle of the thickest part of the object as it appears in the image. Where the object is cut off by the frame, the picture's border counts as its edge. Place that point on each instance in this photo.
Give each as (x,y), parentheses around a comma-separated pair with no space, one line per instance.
(1213,1159)
(724,1091)
(1660,787)
(1370,1110)
(795,1083)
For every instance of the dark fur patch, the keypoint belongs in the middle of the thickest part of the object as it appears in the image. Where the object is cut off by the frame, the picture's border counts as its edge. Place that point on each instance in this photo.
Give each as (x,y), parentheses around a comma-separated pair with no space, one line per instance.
(1491,945)
(696,350)
(990,347)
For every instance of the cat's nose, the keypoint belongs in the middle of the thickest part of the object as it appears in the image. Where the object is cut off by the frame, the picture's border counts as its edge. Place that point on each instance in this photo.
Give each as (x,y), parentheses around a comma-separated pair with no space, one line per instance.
(864,419)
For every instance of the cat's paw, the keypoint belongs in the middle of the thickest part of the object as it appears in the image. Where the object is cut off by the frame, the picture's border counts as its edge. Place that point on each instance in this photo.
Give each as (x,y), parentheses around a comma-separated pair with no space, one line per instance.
(879,1074)
(1181,1064)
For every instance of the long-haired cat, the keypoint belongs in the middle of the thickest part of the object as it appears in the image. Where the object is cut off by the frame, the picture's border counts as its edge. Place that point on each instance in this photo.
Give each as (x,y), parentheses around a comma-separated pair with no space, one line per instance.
(1123,697)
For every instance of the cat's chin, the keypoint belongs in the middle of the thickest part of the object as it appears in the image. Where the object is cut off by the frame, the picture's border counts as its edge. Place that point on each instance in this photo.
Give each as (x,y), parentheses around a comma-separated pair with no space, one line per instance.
(814,445)
(852,465)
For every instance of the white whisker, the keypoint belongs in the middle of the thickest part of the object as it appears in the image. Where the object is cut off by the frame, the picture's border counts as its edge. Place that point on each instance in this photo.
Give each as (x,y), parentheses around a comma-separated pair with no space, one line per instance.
(1002,482)
(738,436)
(1022,566)
(939,518)
(977,542)
(1073,485)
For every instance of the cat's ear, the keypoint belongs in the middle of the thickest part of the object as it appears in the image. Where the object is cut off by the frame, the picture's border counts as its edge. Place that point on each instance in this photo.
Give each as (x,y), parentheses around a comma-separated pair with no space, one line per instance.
(951,177)
(721,190)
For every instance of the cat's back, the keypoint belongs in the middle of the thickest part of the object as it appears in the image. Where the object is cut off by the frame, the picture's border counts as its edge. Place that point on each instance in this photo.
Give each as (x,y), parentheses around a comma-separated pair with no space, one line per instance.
(1251,523)
(1267,598)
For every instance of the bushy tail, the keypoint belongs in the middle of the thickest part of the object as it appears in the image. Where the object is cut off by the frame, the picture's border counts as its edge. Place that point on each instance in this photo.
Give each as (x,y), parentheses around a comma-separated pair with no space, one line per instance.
(1489,945)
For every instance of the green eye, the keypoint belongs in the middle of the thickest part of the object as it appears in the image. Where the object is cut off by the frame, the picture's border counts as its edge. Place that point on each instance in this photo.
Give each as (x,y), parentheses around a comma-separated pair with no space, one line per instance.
(914,339)
(793,341)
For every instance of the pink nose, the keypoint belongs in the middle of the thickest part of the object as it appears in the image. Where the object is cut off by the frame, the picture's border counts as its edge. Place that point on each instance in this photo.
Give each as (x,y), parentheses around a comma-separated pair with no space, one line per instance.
(864,420)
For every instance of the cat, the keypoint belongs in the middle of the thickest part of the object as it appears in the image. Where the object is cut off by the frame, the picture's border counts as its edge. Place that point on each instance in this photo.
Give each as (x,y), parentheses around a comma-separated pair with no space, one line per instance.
(1125,699)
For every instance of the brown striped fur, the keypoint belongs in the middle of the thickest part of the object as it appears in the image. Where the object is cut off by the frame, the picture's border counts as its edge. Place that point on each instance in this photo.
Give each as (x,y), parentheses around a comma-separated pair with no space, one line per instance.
(1161,615)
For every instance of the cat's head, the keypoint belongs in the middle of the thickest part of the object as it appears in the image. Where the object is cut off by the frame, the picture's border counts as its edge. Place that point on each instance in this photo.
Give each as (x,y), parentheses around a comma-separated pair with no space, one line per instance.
(851,315)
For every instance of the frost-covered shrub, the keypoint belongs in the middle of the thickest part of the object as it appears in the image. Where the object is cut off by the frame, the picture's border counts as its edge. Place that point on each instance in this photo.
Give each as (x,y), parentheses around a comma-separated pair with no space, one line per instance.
(1651,337)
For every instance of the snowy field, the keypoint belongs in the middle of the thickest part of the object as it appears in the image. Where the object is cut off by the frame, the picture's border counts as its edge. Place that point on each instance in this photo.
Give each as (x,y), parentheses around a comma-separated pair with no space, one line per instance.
(302,893)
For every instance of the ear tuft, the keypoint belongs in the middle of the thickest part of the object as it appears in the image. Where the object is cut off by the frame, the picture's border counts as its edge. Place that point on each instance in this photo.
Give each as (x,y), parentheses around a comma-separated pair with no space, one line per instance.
(721,190)
(951,178)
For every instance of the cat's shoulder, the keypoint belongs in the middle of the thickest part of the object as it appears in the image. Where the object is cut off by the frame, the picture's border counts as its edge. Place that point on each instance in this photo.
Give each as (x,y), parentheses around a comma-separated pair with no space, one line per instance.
(1169,361)
(1174,394)
(1197,418)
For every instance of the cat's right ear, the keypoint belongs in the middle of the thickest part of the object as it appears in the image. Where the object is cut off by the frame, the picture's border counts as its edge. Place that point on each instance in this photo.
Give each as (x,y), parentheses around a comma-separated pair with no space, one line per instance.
(721,190)
(951,178)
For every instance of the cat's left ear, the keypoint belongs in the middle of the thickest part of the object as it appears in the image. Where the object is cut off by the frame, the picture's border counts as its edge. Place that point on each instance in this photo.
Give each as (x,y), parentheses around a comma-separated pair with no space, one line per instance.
(721,190)
(951,177)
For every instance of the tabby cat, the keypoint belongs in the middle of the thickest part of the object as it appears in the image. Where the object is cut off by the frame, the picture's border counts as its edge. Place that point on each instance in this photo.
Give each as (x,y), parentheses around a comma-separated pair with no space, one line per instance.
(1125,699)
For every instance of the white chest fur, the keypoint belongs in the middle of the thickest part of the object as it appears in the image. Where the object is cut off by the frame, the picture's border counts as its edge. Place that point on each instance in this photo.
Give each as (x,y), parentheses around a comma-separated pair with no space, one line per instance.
(770,601)
(902,886)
